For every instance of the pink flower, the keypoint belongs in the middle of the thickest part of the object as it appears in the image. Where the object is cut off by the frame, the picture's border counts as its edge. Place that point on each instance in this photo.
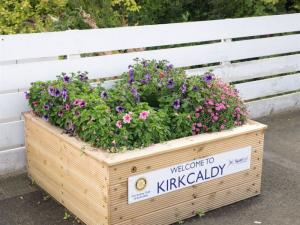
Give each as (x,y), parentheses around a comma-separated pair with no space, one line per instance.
(197,115)
(210,102)
(199,124)
(119,124)
(194,126)
(127,118)
(67,107)
(222,127)
(144,115)
(199,108)
(220,106)
(215,118)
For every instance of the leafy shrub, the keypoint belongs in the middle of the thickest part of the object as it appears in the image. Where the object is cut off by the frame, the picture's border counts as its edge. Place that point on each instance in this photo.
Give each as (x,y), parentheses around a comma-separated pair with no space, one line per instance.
(152,103)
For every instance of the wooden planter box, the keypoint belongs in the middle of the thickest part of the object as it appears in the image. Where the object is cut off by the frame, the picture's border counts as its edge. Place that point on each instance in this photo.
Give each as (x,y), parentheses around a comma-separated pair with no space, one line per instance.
(195,173)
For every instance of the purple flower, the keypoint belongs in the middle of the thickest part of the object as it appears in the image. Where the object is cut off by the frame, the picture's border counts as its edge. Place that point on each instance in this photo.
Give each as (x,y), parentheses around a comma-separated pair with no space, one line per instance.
(57,92)
(134,91)
(83,77)
(67,107)
(120,109)
(195,88)
(76,102)
(67,79)
(82,104)
(104,94)
(145,63)
(208,77)
(147,77)
(135,94)
(51,90)
(170,66)
(183,88)
(131,76)
(60,113)
(27,95)
(170,83)
(45,117)
(176,104)
(64,94)
(79,102)
(77,113)
(46,106)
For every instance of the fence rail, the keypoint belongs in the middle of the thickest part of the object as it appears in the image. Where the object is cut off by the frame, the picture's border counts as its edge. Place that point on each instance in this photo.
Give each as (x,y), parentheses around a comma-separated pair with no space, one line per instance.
(266,49)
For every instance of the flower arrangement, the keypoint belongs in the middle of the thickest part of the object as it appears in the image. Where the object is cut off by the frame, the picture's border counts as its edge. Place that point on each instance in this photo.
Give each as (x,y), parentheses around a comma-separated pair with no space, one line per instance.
(152,103)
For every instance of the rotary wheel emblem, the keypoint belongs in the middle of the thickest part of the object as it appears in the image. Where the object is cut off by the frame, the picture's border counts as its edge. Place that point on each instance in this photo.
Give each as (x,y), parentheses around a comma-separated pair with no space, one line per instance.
(140,184)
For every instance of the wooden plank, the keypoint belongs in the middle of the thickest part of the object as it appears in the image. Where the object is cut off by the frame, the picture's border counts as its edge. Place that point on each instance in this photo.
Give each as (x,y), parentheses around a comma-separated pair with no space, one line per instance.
(188,209)
(252,69)
(111,65)
(169,146)
(267,87)
(74,157)
(125,211)
(12,105)
(12,160)
(121,172)
(75,175)
(80,179)
(268,106)
(229,73)
(75,42)
(118,192)
(11,135)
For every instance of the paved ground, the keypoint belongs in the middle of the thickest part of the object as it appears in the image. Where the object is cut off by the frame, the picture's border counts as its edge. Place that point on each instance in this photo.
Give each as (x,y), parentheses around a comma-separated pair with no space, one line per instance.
(279,203)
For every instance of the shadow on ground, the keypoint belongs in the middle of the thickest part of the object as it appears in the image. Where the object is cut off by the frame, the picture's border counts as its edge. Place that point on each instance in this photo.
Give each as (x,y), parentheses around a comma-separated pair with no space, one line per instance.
(279,204)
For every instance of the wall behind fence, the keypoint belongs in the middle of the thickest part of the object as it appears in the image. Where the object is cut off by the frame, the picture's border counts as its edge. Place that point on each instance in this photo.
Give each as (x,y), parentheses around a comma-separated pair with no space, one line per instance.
(261,55)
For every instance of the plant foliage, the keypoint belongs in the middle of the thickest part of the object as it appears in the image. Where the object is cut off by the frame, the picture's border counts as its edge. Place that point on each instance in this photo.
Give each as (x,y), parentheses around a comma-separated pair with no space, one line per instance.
(152,103)
(25,16)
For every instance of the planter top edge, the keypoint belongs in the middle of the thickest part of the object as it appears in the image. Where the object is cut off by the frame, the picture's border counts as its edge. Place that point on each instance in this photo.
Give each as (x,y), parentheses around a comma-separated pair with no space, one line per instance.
(112,159)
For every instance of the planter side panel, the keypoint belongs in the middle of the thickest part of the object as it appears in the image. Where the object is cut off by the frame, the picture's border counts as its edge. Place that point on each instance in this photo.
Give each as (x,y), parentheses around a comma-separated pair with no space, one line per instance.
(184,202)
(189,209)
(73,178)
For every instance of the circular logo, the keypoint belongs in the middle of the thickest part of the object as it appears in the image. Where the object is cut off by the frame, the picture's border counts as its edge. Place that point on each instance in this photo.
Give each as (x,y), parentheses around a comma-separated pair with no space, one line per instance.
(140,184)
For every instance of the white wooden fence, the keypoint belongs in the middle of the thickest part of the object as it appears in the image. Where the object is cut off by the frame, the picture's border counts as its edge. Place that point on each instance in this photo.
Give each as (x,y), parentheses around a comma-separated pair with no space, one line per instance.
(239,50)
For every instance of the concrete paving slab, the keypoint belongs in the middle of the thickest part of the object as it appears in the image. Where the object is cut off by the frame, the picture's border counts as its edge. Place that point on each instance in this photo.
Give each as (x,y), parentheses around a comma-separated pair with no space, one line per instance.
(279,203)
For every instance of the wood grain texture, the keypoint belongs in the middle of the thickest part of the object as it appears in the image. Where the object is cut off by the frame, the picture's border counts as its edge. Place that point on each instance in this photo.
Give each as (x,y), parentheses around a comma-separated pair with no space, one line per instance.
(93,184)
(119,173)
(153,150)
(188,209)
(118,192)
(76,180)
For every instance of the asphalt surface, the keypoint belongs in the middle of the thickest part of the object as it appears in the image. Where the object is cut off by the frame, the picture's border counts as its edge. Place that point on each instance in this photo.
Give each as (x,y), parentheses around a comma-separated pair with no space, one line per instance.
(279,204)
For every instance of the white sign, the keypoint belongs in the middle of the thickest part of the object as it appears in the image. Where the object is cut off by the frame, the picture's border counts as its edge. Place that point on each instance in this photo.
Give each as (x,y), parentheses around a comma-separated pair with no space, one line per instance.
(162,181)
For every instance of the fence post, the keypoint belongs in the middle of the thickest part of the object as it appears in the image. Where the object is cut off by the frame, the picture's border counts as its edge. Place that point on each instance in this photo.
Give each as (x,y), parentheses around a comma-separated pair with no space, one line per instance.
(226,64)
